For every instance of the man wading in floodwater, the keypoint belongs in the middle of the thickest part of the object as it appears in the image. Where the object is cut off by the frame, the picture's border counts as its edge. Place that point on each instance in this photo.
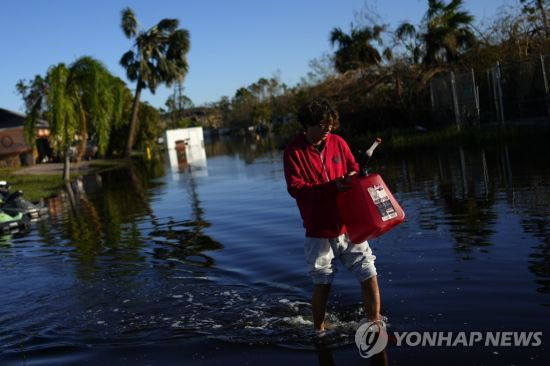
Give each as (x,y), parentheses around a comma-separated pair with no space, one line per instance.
(318,165)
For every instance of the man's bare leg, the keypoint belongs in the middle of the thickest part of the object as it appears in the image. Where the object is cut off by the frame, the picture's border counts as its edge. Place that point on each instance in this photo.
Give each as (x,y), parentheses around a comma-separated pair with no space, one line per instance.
(319,305)
(371,298)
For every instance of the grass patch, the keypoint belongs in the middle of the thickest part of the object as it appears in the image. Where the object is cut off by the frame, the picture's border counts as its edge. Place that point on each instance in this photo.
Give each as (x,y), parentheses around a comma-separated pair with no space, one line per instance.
(46,184)
(34,187)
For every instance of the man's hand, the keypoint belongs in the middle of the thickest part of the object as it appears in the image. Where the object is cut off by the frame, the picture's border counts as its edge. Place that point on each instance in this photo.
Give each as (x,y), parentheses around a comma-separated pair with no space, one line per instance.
(344,182)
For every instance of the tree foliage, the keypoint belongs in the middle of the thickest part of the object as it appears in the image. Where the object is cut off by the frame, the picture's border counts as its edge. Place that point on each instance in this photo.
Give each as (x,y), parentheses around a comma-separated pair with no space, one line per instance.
(159,55)
(534,8)
(355,50)
(448,32)
(78,100)
(177,103)
(444,34)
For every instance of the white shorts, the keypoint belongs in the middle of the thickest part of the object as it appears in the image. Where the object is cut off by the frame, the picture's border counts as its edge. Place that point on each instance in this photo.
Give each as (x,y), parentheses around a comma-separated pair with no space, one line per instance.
(320,255)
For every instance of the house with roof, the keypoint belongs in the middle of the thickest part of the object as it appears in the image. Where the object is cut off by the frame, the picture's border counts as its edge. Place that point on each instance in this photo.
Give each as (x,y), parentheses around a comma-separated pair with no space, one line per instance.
(14,150)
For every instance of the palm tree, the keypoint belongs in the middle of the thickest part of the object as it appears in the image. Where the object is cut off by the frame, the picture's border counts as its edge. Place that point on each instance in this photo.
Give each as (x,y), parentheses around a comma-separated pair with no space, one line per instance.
(158,56)
(75,100)
(443,35)
(447,32)
(407,34)
(355,50)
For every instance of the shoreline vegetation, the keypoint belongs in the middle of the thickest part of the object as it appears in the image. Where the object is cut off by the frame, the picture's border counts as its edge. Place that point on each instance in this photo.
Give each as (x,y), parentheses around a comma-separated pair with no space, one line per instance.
(44,180)
(397,140)
(403,139)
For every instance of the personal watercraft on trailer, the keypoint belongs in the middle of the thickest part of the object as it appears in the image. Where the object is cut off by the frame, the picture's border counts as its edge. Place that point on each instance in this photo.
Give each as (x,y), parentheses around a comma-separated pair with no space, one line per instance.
(13,204)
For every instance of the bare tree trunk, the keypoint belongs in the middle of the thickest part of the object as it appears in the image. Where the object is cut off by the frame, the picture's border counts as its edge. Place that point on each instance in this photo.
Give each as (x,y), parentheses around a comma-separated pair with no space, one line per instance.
(133,121)
(67,166)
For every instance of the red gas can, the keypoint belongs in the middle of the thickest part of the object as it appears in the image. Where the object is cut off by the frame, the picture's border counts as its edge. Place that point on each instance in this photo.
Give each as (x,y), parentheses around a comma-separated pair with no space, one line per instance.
(368,209)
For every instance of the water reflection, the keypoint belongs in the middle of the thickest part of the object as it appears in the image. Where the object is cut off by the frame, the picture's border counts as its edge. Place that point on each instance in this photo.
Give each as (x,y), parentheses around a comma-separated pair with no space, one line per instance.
(186,240)
(100,216)
(95,219)
(534,211)
(247,148)
(154,254)
(326,358)
(466,199)
(471,191)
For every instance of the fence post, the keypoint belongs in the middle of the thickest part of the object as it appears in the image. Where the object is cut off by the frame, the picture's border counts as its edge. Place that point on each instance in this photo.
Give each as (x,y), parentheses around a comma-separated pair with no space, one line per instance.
(476,96)
(498,93)
(455,100)
(546,91)
(432,100)
(491,89)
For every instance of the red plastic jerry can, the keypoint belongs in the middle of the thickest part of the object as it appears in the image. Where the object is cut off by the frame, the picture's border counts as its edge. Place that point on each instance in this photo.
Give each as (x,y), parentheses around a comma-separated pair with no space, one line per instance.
(368,209)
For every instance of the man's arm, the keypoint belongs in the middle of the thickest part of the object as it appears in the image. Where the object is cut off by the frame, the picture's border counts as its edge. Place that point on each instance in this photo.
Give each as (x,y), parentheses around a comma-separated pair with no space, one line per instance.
(300,189)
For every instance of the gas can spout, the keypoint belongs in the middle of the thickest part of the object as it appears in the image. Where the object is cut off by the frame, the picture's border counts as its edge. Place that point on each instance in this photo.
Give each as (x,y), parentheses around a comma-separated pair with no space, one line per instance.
(364,157)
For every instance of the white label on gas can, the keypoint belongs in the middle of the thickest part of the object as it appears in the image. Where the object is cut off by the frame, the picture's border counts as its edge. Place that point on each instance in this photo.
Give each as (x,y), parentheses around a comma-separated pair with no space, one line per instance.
(382,202)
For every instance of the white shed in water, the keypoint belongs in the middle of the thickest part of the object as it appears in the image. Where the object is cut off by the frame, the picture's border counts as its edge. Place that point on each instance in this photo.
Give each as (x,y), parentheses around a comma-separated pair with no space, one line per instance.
(185,147)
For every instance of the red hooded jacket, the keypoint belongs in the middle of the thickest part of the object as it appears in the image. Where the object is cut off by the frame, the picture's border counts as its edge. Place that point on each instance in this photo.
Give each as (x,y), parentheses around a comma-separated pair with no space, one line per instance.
(310,178)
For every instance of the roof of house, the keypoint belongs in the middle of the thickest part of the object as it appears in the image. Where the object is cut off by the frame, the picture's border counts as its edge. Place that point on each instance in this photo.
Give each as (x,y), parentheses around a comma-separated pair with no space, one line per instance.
(9,119)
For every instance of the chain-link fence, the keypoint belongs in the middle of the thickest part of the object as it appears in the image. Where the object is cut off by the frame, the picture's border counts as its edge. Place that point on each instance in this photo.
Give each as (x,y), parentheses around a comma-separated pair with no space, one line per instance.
(455,99)
(443,101)
(515,92)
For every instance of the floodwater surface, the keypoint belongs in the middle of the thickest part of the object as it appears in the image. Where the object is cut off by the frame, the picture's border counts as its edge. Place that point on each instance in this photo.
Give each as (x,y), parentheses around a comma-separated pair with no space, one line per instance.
(158,265)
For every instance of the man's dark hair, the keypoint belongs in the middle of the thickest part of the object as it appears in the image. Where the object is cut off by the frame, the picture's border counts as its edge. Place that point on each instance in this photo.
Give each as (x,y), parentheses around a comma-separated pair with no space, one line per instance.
(316,111)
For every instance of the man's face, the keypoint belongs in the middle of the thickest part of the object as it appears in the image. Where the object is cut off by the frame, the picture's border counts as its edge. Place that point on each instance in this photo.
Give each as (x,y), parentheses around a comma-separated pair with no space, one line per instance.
(318,133)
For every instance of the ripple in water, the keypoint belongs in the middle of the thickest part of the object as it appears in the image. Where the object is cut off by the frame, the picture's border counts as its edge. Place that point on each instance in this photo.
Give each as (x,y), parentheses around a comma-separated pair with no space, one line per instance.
(234,314)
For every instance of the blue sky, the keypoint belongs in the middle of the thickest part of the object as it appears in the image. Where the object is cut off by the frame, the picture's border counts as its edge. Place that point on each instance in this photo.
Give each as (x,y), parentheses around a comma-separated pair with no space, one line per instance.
(233,42)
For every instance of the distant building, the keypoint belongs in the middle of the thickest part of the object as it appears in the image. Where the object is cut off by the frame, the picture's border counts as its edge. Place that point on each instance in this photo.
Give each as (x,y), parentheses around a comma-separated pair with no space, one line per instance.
(14,150)
(185,148)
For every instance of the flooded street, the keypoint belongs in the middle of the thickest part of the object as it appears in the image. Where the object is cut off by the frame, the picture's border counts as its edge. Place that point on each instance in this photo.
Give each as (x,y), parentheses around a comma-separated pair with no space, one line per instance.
(164,264)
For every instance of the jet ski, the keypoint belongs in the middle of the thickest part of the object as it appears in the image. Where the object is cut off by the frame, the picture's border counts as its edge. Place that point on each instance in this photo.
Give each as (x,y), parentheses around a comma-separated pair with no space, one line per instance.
(13,204)
(13,224)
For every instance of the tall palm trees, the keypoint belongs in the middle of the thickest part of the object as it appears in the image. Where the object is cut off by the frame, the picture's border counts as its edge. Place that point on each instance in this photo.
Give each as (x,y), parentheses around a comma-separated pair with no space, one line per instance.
(448,31)
(444,34)
(355,50)
(159,55)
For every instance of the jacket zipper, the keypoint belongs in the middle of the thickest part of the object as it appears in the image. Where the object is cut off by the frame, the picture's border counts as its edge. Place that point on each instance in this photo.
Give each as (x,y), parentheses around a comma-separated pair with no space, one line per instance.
(323,164)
